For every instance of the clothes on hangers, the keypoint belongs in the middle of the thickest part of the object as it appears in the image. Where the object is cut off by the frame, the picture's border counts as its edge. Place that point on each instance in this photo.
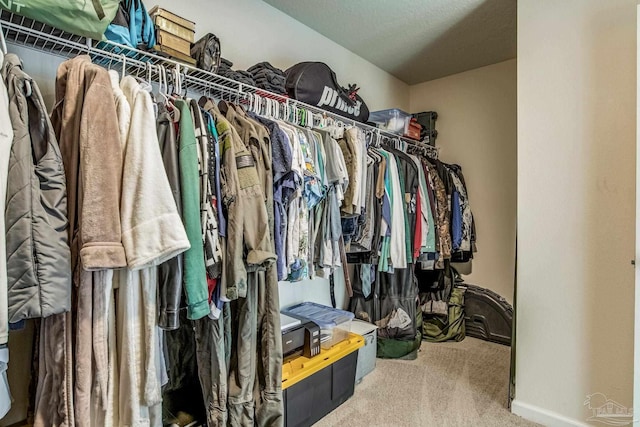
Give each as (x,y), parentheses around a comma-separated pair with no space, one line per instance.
(170,272)
(182,217)
(420,211)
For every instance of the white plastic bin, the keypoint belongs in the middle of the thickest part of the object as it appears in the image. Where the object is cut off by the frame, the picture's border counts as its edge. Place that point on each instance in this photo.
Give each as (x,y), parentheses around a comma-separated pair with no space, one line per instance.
(367,354)
(334,324)
(392,120)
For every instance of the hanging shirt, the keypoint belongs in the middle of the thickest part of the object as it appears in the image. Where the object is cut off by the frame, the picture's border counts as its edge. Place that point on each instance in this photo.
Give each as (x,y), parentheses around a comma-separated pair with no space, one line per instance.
(366,239)
(170,272)
(363,164)
(466,220)
(284,192)
(433,234)
(425,218)
(398,247)
(283,185)
(195,276)
(208,218)
(355,151)
(387,214)
(313,191)
(222,220)
(351,159)
(330,227)
(444,214)
(456,221)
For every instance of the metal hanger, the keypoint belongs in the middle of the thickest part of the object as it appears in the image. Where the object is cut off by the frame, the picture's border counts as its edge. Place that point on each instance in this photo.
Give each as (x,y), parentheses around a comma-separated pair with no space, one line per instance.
(267,108)
(258,106)
(183,82)
(124,66)
(163,85)
(249,99)
(310,119)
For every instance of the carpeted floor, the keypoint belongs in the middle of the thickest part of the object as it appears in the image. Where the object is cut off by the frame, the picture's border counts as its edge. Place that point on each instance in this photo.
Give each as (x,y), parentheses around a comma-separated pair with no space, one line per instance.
(449,384)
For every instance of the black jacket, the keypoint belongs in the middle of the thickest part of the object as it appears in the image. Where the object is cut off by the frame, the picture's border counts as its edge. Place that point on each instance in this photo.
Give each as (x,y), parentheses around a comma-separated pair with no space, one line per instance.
(170,272)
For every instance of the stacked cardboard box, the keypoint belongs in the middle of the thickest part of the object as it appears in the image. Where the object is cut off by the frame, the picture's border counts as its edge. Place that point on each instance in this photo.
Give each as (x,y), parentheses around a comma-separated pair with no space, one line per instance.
(174,34)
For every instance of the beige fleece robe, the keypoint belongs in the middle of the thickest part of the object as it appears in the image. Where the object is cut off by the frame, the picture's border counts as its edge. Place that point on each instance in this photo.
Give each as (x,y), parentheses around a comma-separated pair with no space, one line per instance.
(152,232)
(85,123)
(105,401)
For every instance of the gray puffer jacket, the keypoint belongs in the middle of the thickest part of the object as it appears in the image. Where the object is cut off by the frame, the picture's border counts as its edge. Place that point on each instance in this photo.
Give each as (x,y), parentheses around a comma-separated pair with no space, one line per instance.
(38,255)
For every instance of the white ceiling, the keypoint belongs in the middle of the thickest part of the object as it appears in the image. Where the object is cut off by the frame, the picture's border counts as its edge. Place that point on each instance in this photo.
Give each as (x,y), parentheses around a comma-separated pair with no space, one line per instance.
(415,40)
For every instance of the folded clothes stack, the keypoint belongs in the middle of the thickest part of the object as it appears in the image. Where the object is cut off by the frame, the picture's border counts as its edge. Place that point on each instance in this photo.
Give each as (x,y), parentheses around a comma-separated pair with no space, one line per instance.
(244,77)
(268,77)
(239,76)
(225,63)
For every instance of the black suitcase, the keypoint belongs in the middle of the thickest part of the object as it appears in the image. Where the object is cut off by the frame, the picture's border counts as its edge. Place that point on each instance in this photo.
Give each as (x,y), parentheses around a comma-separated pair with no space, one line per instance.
(428,121)
(488,316)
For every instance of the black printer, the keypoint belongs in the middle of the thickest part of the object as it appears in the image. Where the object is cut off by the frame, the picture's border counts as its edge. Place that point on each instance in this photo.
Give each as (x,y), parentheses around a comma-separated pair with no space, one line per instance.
(299,338)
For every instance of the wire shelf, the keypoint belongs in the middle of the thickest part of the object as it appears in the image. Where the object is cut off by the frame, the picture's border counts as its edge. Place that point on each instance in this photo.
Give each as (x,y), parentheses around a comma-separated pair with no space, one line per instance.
(35,35)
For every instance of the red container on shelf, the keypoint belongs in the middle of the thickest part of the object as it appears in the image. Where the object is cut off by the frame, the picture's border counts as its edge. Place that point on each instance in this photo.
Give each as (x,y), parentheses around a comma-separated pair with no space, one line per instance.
(413,130)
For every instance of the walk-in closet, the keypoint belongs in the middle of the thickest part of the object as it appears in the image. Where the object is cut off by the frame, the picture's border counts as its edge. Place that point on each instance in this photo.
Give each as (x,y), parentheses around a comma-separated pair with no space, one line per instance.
(294,213)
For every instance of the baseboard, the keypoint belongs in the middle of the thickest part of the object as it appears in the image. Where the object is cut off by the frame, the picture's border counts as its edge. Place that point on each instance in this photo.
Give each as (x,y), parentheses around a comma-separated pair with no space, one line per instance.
(543,416)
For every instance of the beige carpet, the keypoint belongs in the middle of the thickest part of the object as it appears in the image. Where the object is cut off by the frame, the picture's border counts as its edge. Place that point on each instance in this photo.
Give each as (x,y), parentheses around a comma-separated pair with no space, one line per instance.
(449,384)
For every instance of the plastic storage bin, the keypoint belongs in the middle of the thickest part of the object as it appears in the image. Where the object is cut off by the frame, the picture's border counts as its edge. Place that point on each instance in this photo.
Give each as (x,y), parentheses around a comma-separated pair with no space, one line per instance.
(334,324)
(392,120)
(366,354)
(311,388)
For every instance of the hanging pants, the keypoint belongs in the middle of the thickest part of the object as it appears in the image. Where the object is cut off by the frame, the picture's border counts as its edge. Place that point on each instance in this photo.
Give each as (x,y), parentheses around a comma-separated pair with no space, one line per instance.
(255,378)
(213,358)
(242,365)
(268,388)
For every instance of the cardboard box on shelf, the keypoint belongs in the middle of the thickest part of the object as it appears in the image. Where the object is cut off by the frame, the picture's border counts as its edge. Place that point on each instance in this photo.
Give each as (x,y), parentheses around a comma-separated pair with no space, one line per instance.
(158,11)
(167,51)
(171,27)
(169,40)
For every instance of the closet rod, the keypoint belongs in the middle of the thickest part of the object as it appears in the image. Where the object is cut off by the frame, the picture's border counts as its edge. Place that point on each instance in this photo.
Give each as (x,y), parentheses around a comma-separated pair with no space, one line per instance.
(44,38)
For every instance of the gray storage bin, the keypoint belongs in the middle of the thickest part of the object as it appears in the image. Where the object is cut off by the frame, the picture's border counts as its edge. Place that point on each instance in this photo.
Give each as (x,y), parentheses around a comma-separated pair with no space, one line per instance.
(367,354)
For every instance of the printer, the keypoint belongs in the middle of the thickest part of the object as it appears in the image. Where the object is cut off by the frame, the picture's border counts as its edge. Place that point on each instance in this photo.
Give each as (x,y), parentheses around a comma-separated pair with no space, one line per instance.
(299,338)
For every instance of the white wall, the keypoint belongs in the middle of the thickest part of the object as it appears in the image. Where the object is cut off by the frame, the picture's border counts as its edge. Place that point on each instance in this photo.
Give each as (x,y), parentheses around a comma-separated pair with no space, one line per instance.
(576,205)
(477,130)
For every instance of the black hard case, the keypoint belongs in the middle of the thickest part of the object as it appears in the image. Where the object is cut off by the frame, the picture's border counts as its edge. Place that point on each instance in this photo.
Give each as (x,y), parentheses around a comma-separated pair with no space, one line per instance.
(488,316)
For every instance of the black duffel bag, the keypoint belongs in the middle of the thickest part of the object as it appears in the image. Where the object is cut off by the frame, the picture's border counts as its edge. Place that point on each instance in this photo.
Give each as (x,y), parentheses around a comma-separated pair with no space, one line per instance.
(316,84)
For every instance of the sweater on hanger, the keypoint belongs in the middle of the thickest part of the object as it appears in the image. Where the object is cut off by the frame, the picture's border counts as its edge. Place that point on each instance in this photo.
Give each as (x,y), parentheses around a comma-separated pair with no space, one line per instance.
(152,230)
(195,278)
